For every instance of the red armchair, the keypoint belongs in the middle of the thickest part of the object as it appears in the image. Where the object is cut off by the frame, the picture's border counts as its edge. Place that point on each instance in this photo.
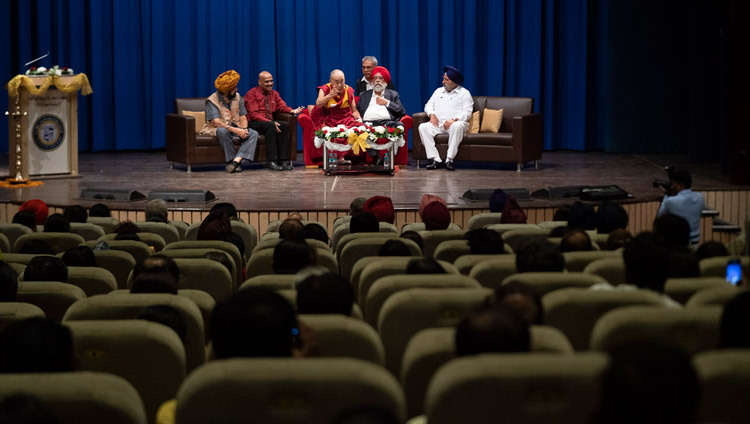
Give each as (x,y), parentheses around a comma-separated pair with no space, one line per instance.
(314,156)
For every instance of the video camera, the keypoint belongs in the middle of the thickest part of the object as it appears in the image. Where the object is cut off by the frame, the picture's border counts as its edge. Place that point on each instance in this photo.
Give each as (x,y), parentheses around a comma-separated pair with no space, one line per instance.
(665,183)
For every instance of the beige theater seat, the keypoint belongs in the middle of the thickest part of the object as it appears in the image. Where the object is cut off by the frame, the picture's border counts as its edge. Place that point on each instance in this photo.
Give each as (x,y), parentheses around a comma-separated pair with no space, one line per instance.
(432,239)
(575,311)
(181,228)
(20,258)
(465,263)
(87,230)
(152,240)
(521,237)
(13,232)
(409,311)
(60,242)
(419,226)
(261,262)
(343,230)
(383,266)
(725,382)
(552,224)
(286,391)
(481,220)
(249,236)
(715,296)
(339,246)
(385,287)
(224,246)
(270,243)
(148,355)
(4,243)
(545,282)
(118,307)
(577,261)
(273,226)
(431,348)
(271,281)
(118,262)
(521,388)
(368,246)
(682,289)
(207,275)
(491,273)
(168,232)
(52,297)
(611,269)
(137,249)
(342,336)
(107,223)
(11,312)
(690,330)
(501,228)
(199,254)
(92,280)
(80,397)
(717,266)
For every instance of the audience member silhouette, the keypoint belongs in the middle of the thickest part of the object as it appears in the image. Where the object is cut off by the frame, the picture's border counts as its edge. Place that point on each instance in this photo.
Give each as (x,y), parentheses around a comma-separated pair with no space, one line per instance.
(290,228)
(711,249)
(25,218)
(46,268)
(364,222)
(57,223)
(76,213)
(485,242)
(492,329)
(79,256)
(8,283)
(314,231)
(165,315)
(522,299)
(735,322)
(609,217)
(325,294)
(291,255)
(424,266)
(100,210)
(674,229)
(394,247)
(539,256)
(575,240)
(36,345)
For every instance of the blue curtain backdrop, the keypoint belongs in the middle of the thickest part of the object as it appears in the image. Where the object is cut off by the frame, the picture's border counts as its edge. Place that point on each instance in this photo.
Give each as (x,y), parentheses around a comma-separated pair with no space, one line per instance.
(141,54)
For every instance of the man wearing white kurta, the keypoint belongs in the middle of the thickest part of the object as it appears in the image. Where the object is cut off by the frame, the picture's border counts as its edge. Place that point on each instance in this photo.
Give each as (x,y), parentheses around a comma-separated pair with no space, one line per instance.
(449,110)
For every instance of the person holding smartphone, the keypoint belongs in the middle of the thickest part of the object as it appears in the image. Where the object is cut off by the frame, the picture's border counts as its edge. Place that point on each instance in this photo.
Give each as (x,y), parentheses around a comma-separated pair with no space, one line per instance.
(683,202)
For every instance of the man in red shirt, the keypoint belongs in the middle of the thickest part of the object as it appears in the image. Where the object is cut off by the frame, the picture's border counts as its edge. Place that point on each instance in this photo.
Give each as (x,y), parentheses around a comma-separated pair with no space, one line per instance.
(261,102)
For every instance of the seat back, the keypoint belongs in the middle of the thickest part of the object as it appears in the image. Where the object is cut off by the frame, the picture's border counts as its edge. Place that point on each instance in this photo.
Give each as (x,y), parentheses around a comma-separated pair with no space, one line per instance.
(92,280)
(713,296)
(118,262)
(249,236)
(407,312)
(137,249)
(167,231)
(13,232)
(271,243)
(148,355)
(152,240)
(385,266)
(181,228)
(450,250)
(20,258)
(80,397)
(367,246)
(491,273)
(342,336)
(545,282)
(11,312)
(690,330)
(200,253)
(419,226)
(286,391)
(87,230)
(552,224)
(516,239)
(480,220)
(107,223)
(432,239)
(575,311)
(342,231)
(52,297)
(271,281)
(611,269)
(725,382)
(682,289)
(501,228)
(577,261)
(60,242)
(118,307)
(224,246)
(527,388)
(717,266)
(465,263)
(207,275)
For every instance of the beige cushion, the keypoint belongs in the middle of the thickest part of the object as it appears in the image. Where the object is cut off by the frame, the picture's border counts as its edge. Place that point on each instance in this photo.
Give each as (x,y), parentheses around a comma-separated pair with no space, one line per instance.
(342,336)
(200,119)
(50,296)
(725,381)
(474,123)
(491,121)
(11,312)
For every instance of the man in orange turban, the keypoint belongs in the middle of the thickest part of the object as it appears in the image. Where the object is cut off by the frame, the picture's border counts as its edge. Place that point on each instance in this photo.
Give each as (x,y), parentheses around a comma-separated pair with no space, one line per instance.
(225,119)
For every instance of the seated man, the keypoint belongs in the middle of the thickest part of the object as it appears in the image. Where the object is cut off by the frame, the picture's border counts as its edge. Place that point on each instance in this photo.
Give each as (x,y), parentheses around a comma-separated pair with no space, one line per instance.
(261,102)
(225,116)
(380,105)
(335,104)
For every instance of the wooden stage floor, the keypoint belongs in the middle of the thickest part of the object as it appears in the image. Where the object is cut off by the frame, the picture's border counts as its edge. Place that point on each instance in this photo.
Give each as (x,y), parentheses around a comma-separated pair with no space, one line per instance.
(258,189)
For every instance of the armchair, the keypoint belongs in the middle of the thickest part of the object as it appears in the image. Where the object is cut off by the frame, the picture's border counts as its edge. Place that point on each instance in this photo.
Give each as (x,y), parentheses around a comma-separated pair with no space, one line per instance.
(520,139)
(184,145)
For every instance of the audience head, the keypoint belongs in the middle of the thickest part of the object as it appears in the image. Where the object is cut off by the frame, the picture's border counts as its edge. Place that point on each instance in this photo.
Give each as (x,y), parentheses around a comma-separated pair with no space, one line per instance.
(57,223)
(415,237)
(575,240)
(434,212)
(314,231)
(79,256)
(368,65)
(155,280)
(227,208)
(38,208)
(485,242)
(649,384)
(394,247)
(609,217)
(646,258)
(214,227)
(255,322)
(357,206)
(127,227)
(735,322)
(327,293)
(582,216)
(618,238)
(25,218)
(680,179)
(36,345)
(682,263)
(290,228)
(46,268)
(540,256)
(37,247)
(100,210)
(381,207)
(492,330)
(562,213)
(674,229)
(424,266)
(158,263)
(165,315)
(711,249)
(76,213)
(364,222)
(291,255)
(8,283)
(497,200)
(522,299)
(156,211)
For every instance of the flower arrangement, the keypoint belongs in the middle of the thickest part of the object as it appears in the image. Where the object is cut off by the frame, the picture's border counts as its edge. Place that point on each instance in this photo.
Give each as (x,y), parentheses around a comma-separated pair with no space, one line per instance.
(378,134)
(381,134)
(53,71)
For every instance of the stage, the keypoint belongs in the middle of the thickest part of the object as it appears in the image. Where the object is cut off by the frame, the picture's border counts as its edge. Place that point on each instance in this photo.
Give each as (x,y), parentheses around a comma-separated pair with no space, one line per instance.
(263,195)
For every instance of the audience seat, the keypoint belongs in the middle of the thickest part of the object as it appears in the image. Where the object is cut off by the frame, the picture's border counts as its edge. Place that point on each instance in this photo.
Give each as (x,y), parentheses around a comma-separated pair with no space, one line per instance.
(87,230)
(521,388)
(341,220)
(343,336)
(545,282)
(152,240)
(409,311)
(690,330)
(431,239)
(286,390)
(376,267)
(465,263)
(80,397)
(20,258)
(224,246)
(261,262)
(181,228)
(53,298)
(682,289)
(11,312)
(148,355)
(419,226)
(575,311)
(431,348)
(249,236)
(501,228)
(725,382)
(13,232)
(107,223)
(451,250)
(552,224)
(491,273)
(4,243)
(137,249)
(166,231)
(342,231)
(92,280)
(523,236)
(714,296)
(577,261)
(717,266)
(611,269)
(118,262)
(271,281)
(199,253)
(60,242)
(207,275)
(270,243)
(483,219)
(273,226)
(360,248)
(118,307)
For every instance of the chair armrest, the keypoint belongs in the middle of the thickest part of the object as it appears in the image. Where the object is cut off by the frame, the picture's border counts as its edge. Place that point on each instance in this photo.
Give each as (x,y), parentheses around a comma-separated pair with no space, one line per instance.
(179,136)
(408,122)
(417,149)
(304,120)
(528,137)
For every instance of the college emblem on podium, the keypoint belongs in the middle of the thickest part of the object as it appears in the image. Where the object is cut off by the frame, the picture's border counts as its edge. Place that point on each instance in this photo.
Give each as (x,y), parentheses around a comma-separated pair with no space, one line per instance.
(49,132)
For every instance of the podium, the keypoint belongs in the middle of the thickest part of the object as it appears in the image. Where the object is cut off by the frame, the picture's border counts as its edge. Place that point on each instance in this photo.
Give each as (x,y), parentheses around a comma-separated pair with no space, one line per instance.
(43,125)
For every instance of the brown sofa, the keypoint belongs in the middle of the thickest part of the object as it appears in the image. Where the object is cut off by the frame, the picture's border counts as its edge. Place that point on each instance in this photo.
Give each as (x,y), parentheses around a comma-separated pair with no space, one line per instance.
(185,146)
(520,139)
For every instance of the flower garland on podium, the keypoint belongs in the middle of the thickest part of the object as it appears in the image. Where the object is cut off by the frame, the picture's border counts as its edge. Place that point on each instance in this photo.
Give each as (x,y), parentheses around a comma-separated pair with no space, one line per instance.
(358,139)
(52,76)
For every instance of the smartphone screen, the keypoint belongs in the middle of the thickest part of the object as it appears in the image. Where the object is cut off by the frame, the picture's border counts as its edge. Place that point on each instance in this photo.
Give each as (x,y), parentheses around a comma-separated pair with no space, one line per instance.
(734,271)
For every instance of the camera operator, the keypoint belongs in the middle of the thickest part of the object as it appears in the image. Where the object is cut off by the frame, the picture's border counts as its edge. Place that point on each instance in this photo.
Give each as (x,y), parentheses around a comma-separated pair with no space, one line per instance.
(680,200)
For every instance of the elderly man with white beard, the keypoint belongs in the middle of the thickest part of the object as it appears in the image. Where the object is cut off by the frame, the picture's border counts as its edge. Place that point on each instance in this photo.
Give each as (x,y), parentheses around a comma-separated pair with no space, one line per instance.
(380,106)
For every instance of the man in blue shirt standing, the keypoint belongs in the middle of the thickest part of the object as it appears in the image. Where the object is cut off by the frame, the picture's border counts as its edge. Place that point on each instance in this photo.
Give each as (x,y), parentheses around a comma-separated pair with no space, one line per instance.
(683,202)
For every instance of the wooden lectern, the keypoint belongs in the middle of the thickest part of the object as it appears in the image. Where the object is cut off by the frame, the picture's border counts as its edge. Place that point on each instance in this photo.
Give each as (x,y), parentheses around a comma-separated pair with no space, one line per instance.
(43,129)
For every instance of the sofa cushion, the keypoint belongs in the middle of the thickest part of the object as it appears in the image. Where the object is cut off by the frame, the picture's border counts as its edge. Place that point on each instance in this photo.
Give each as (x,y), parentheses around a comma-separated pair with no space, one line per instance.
(190,103)
(200,119)
(474,123)
(491,121)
